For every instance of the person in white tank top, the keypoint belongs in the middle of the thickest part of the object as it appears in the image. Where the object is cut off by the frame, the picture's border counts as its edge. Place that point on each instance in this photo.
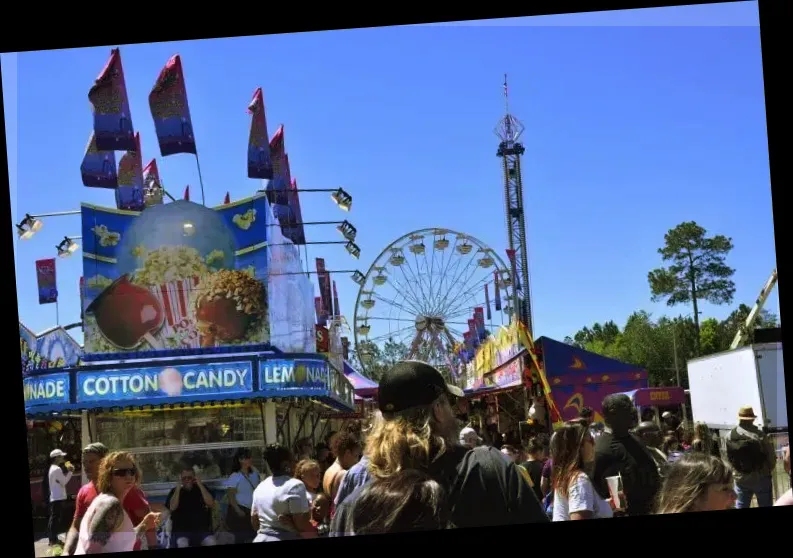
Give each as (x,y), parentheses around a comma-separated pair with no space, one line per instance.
(106,527)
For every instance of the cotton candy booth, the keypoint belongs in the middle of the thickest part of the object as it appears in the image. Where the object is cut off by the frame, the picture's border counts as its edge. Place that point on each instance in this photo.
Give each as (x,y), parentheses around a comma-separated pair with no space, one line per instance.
(180,365)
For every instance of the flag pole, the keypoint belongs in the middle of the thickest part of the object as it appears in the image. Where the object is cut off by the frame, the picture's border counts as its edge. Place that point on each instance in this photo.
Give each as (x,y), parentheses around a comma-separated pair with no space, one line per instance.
(200,178)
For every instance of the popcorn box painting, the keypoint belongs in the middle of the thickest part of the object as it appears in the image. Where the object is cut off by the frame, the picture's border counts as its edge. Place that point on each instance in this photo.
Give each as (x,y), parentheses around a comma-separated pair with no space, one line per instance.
(177,275)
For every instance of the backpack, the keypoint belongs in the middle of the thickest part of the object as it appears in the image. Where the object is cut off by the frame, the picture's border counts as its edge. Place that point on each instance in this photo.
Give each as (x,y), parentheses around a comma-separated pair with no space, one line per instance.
(745,451)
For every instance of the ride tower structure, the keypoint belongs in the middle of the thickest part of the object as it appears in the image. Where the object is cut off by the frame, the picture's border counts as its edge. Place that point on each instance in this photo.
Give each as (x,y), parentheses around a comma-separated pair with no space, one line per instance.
(510,150)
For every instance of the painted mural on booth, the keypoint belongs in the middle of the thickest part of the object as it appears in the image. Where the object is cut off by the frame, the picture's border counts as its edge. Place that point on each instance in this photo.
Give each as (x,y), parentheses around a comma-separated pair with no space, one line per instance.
(54,348)
(175,276)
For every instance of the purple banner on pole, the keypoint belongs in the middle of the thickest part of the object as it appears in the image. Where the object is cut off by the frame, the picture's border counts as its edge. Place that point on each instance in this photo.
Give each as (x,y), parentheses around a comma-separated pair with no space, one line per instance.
(98,168)
(171,113)
(108,96)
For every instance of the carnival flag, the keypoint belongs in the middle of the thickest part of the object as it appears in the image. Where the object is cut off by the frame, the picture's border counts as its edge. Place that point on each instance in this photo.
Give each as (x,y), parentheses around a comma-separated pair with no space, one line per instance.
(487,303)
(298,233)
(323,278)
(322,316)
(186,196)
(277,186)
(113,128)
(498,291)
(227,199)
(260,164)
(336,309)
(129,194)
(99,167)
(45,277)
(171,113)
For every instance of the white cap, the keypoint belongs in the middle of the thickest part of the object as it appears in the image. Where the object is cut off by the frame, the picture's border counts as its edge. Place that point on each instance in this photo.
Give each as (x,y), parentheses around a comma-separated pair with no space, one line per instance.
(469,436)
(56,453)
(666,414)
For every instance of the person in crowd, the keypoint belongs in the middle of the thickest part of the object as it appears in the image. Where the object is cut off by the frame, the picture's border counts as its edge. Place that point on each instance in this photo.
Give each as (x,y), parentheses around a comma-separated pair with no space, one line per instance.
(704,442)
(309,472)
(417,429)
(575,497)
(696,482)
(753,459)
(135,503)
(787,498)
(510,452)
(618,452)
(304,449)
(537,450)
(281,510)
(106,526)
(685,433)
(57,481)
(190,504)
(240,486)
(320,514)
(323,456)
(469,438)
(650,434)
(405,502)
(669,421)
(587,415)
(346,446)
(358,475)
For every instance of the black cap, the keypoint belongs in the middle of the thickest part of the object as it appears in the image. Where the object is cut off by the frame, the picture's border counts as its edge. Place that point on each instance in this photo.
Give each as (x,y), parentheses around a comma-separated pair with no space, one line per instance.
(410,384)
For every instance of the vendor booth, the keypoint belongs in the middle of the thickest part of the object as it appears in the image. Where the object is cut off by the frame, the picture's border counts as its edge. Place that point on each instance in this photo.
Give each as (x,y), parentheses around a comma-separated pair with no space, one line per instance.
(365,391)
(198,410)
(651,403)
(50,349)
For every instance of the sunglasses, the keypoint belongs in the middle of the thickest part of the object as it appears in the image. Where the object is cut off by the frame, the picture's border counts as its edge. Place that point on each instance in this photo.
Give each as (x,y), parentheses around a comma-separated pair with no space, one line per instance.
(130,472)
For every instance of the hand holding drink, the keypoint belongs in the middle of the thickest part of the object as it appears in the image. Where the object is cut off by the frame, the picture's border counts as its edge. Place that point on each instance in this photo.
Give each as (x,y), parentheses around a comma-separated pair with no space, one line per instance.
(615,490)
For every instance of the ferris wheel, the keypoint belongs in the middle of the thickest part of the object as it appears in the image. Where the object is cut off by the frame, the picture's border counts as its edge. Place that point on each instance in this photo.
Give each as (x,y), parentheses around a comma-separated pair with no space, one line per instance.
(421,291)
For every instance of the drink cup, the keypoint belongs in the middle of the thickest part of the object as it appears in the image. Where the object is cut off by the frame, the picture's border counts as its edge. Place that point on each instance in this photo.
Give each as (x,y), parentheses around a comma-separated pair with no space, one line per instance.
(614,490)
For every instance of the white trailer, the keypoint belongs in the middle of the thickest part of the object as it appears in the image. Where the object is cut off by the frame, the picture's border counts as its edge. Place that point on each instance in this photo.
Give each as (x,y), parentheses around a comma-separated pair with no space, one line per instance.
(722,383)
(754,375)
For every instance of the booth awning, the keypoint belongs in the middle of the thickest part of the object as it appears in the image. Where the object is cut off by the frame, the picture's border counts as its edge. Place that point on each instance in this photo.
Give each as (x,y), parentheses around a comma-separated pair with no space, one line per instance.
(363,386)
(180,383)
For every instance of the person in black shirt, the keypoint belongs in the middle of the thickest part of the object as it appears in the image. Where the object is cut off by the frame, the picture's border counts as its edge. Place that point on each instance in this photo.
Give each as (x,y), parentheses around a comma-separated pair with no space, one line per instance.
(618,452)
(417,429)
(190,504)
(538,453)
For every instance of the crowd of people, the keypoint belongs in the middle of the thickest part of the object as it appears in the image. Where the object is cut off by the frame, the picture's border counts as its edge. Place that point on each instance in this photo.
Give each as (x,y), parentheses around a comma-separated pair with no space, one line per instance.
(414,468)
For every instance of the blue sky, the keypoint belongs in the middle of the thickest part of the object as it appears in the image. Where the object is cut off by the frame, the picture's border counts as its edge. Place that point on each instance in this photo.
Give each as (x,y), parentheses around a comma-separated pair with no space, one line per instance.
(633,125)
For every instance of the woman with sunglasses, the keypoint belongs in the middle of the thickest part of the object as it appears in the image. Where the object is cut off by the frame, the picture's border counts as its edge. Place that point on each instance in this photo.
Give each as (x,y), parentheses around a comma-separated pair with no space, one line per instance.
(573,454)
(106,527)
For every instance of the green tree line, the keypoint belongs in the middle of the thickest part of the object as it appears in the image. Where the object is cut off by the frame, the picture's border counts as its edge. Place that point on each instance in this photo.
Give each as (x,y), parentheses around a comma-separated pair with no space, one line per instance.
(696,271)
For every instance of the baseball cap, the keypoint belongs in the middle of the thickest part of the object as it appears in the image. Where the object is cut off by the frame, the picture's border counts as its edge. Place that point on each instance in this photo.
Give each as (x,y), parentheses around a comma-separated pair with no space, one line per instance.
(412,383)
(56,453)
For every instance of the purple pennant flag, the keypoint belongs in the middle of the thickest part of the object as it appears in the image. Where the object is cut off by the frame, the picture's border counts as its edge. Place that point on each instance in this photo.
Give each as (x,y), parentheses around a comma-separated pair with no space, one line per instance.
(260,163)
(98,168)
(108,96)
(171,113)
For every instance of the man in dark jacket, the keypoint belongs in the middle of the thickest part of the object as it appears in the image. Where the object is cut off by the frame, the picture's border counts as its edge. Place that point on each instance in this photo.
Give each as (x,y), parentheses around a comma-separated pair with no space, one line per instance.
(618,452)
(418,429)
(753,459)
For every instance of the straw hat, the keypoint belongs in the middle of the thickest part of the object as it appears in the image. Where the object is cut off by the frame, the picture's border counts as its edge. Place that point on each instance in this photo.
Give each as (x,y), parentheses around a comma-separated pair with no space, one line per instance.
(746,413)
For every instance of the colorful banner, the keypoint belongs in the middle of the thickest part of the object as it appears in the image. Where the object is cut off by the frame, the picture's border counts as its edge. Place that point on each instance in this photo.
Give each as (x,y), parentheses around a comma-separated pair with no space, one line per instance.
(304,378)
(506,376)
(277,186)
(260,164)
(152,186)
(129,194)
(177,275)
(98,168)
(323,339)
(171,113)
(47,389)
(113,129)
(54,348)
(487,303)
(323,278)
(157,382)
(336,308)
(296,233)
(659,397)
(496,283)
(321,315)
(46,280)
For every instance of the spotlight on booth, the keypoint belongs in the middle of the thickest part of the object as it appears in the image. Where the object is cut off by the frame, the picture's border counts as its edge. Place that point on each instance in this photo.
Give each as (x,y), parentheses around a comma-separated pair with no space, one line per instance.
(353,249)
(359,278)
(347,231)
(67,247)
(28,226)
(342,199)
